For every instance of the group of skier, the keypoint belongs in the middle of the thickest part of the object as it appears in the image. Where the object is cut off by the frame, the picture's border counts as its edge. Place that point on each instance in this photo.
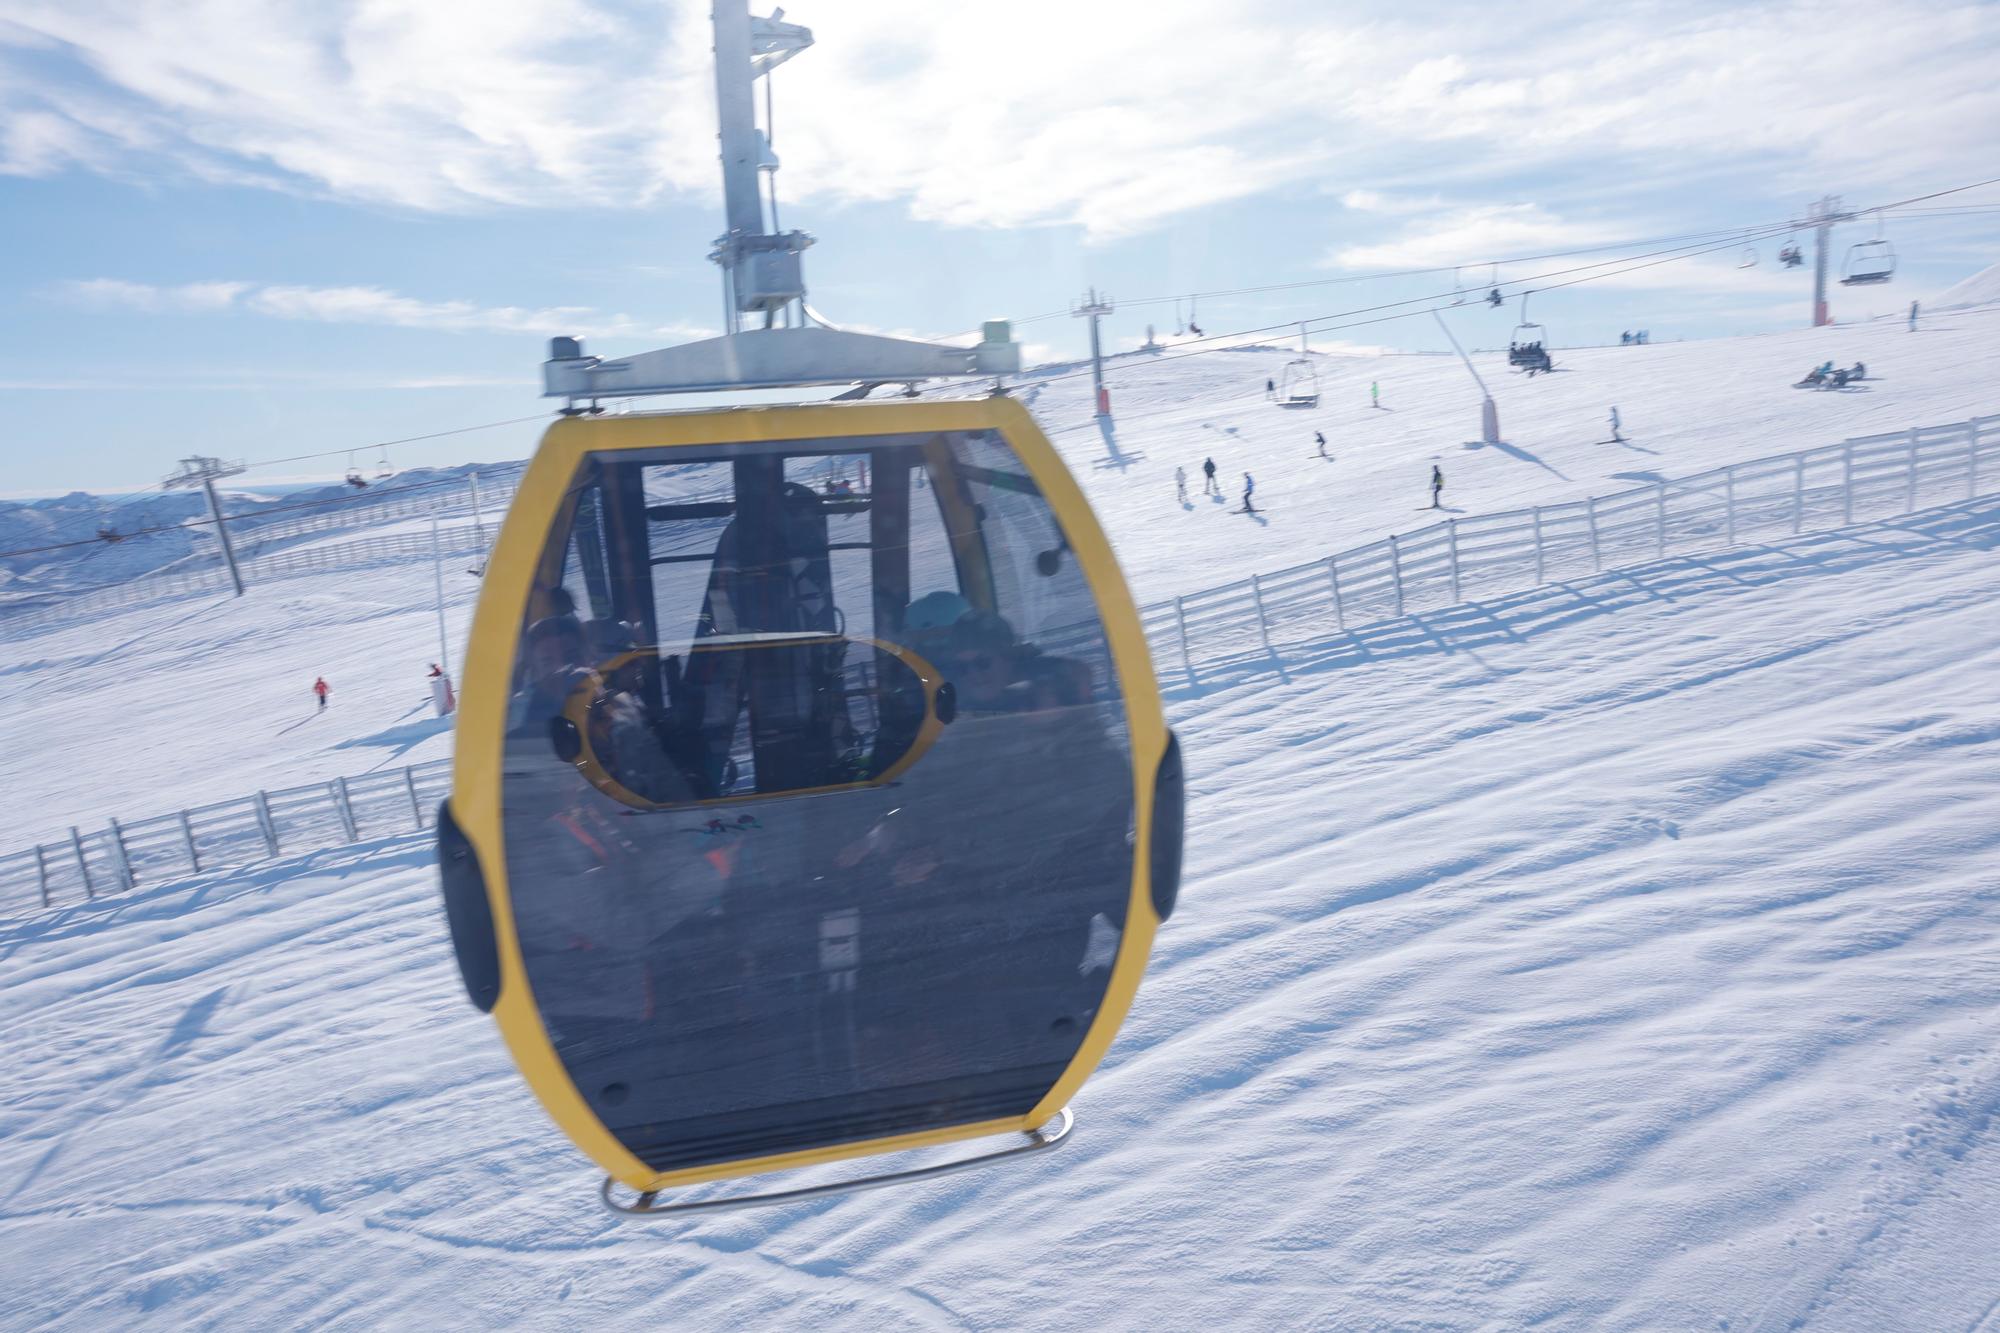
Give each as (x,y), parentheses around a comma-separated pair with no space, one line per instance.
(1209,485)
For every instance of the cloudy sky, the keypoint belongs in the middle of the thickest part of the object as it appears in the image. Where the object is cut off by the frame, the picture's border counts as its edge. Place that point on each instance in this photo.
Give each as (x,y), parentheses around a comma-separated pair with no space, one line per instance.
(264,227)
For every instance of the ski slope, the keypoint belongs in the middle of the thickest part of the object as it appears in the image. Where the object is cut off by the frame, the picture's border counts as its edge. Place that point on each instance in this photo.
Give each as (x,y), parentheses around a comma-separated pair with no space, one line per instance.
(1624,957)
(135,702)
(1621,954)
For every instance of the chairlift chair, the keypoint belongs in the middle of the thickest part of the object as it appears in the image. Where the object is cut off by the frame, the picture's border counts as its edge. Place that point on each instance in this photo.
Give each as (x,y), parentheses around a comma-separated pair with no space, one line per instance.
(1748,257)
(1298,383)
(384,469)
(1790,256)
(1868,263)
(1528,349)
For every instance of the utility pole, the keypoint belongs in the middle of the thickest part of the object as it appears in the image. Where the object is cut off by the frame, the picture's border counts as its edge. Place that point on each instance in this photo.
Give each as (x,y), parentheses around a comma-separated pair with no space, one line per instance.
(202,472)
(1095,308)
(1821,217)
(437,572)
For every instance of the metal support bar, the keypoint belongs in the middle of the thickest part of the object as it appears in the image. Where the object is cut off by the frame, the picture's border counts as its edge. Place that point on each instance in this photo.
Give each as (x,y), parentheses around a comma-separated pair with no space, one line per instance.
(1660,520)
(1596,553)
(1798,492)
(1972,458)
(1396,571)
(410,786)
(1333,578)
(266,823)
(1540,561)
(1451,546)
(42,873)
(1910,484)
(1729,505)
(1263,629)
(341,804)
(1048,1136)
(1847,484)
(1187,659)
(187,840)
(124,861)
(82,862)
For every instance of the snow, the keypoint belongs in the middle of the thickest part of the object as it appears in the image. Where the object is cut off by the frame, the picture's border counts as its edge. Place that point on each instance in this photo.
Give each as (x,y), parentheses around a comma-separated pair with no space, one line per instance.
(1620,954)
(1982,288)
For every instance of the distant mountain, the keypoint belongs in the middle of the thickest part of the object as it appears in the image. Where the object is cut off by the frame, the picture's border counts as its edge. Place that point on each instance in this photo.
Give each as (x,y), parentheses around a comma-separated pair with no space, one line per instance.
(81,540)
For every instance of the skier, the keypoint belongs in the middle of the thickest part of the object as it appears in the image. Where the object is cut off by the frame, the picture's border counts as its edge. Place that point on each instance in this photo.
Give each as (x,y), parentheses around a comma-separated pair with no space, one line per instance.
(1321,437)
(1437,486)
(321,689)
(1208,486)
(1913,317)
(1374,393)
(1270,388)
(1616,437)
(1180,484)
(442,697)
(1249,487)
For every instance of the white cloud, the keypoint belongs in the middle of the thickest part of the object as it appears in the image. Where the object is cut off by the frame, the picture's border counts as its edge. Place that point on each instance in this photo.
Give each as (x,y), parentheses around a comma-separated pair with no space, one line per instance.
(1114,115)
(367,305)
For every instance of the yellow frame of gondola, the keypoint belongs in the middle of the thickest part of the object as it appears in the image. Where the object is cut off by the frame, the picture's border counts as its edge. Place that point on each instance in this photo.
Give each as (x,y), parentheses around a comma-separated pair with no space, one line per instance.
(541,499)
(577,709)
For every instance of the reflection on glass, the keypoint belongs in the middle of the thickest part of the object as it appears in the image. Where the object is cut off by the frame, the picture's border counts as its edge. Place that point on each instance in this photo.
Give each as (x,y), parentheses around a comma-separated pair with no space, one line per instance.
(817,794)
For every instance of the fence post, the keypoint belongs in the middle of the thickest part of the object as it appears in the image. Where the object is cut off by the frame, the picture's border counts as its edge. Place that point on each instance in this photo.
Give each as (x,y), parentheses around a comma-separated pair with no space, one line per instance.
(1729,505)
(1972,458)
(1910,484)
(118,849)
(1333,577)
(417,811)
(1396,571)
(1539,564)
(1596,553)
(1847,484)
(42,873)
(1451,546)
(1187,658)
(82,862)
(265,822)
(1798,492)
(345,808)
(1263,630)
(187,837)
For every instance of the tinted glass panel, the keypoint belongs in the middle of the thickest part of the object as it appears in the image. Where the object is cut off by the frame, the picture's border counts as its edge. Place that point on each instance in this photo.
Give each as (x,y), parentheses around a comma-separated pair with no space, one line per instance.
(817,796)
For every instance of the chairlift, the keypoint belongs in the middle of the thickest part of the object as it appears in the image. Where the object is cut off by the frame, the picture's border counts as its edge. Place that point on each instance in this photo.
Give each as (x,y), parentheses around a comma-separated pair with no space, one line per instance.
(1298,383)
(110,534)
(1791,256)
(1868,263)
(1457,287)
(1192,327)
(1748,257)
(1528,349)
(383,468)
(1180,329)
(354,477)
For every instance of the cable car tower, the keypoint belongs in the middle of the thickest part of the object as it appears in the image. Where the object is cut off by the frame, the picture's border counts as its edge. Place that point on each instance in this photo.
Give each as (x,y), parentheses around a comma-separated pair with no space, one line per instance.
(786,344)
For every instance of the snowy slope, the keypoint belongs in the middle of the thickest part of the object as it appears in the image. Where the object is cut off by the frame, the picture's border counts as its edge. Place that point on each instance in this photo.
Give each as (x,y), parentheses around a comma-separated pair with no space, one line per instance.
(1623,956)
(130,700)
(1982,288)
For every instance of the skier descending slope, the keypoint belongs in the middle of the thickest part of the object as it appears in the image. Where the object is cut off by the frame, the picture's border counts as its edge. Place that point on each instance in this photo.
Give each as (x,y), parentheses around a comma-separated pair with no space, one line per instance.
(1180,484)
(321,689)
(1437,486)
(1321,437)
(1615,436)
(1249,488)
(1208,486)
